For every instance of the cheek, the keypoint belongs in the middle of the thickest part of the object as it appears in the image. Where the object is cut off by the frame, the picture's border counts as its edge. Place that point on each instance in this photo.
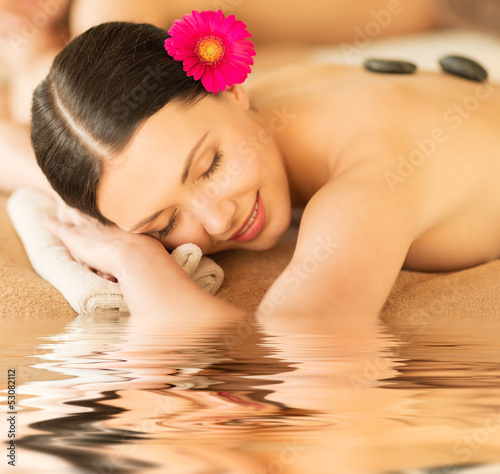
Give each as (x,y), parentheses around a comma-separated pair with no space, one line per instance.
(234,179)
(245,172)
(187,236)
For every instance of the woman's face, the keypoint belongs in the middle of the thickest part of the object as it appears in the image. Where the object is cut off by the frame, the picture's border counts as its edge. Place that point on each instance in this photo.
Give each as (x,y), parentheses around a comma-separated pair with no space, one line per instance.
(197,174)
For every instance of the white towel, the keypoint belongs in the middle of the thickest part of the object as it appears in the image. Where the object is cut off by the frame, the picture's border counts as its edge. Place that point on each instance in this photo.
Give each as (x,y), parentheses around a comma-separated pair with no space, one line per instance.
(86,292)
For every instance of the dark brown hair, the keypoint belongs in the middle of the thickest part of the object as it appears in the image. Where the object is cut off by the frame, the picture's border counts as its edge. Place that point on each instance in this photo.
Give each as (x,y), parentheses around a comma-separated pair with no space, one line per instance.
(102,86)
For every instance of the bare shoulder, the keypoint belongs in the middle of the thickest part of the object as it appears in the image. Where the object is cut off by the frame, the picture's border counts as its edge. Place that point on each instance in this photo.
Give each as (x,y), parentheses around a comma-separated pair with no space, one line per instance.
(353,240)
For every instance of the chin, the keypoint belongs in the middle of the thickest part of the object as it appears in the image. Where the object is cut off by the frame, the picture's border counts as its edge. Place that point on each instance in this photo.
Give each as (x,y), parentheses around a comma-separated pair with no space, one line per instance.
(273,236)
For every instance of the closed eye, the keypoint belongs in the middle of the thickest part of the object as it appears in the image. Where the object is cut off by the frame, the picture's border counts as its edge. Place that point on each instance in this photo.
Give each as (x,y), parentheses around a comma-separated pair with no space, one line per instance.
(206,175)
(163,233)
(213,167)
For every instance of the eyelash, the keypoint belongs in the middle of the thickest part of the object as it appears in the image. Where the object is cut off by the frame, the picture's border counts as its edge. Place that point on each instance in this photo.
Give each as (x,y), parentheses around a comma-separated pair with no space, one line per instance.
(213,167)
(206,175)
(173,222)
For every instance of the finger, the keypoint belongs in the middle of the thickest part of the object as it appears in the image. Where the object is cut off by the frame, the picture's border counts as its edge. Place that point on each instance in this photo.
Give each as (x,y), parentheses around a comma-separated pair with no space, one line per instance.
(60,231)
(53,225)
(106,276)
(76,259)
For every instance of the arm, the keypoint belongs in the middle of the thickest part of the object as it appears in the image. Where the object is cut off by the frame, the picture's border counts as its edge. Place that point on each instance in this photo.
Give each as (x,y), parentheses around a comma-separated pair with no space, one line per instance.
(352,244)
(353,240)
(154,286)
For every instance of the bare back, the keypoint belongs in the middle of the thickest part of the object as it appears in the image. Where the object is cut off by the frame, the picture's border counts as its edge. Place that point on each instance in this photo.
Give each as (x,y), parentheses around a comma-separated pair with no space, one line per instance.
(429,138)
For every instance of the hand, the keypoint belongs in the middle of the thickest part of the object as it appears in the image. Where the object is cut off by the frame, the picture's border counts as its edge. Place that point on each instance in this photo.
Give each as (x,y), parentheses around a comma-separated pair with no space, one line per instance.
(73,217)
(104,249)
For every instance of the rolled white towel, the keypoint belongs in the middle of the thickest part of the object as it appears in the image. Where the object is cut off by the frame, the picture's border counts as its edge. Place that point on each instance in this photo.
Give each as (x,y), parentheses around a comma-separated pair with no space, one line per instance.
(202,270)
(86,292)
(188,256)
(208,275)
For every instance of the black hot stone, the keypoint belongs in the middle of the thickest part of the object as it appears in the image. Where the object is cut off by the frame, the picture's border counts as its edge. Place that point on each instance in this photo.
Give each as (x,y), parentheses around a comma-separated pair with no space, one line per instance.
(389,66)
(463,67)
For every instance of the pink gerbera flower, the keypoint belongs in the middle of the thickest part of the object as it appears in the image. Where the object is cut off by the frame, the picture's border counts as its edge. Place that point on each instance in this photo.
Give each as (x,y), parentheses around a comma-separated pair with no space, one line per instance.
(212,48)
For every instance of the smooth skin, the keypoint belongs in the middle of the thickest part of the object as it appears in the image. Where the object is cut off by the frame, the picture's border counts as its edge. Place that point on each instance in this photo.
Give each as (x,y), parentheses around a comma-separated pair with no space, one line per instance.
(32,33)
(392,171)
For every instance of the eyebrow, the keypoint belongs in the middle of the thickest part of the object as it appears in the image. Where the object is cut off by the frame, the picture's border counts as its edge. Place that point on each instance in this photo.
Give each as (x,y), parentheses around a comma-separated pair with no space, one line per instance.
(184,176)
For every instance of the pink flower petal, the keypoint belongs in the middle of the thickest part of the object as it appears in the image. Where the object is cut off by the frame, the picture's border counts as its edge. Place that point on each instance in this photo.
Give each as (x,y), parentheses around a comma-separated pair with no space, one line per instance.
(231,75)
(244,43)
(181,43)
(232,68)
(241,57)
(189,51)
(218,20)
(189,62)
(208,81)
(211,21)
(200,20)
(227,24)
(219,79)
(181,27)
(190,35)
(237,31)
(244,67)
(193,23)
(198,71)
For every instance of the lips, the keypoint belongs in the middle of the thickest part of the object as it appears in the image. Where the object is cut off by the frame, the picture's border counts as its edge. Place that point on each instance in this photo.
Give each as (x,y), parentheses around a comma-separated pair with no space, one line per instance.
(253,223)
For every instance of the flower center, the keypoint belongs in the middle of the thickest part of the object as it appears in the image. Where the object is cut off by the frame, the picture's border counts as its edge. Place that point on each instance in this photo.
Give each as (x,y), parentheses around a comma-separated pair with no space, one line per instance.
(210,50)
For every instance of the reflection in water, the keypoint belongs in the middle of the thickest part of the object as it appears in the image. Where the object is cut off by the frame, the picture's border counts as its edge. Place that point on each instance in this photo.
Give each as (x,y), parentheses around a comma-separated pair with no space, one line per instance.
(69,436)
(95,395)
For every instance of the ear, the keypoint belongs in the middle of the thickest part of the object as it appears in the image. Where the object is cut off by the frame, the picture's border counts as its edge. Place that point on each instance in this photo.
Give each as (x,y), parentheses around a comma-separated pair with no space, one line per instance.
(239,95)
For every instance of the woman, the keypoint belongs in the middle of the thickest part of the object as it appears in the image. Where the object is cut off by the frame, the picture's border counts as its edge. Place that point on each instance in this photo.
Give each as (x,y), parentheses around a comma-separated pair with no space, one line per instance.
(33,32)
(392,171)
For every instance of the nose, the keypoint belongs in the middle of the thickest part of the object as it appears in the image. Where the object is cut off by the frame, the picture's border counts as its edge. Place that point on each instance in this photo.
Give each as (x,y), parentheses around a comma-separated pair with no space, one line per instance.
(216,215)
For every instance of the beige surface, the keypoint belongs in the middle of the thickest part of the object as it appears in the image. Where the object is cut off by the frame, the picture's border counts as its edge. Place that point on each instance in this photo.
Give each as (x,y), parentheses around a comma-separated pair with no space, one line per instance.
(418,297)
(22,291)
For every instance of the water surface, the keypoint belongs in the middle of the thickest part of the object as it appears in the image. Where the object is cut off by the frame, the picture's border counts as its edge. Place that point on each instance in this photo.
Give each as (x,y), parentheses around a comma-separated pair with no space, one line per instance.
(95,395)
